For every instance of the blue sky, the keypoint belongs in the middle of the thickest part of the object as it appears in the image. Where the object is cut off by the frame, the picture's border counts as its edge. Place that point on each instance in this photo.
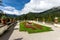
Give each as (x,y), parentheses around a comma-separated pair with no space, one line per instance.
(18,4)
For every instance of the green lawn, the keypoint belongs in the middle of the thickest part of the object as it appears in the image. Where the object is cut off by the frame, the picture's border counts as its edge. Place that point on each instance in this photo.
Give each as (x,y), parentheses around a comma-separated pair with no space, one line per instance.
(37,30)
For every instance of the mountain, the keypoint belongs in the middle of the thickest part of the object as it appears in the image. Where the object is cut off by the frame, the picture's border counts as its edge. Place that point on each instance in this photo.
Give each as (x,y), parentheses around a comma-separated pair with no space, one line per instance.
(8,15)
(11,15)
(48,15)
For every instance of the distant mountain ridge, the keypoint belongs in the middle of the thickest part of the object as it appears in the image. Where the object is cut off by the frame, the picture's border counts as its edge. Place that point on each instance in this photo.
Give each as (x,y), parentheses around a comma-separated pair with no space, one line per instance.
(11,15)
(51,13)
(8,15)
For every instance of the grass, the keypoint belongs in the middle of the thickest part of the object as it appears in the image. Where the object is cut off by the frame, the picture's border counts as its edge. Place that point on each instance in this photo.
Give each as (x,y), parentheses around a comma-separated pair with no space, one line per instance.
(37,30)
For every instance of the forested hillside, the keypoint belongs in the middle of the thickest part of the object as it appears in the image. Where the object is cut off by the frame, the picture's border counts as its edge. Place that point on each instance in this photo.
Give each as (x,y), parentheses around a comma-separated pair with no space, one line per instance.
(48,15)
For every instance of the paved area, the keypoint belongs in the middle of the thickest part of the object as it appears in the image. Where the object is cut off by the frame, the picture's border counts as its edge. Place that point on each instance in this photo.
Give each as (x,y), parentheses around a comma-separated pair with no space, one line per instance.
(52,35)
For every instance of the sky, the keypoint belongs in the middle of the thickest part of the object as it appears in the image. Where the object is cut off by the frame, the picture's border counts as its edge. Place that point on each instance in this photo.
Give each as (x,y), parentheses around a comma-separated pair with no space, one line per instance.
(19,7)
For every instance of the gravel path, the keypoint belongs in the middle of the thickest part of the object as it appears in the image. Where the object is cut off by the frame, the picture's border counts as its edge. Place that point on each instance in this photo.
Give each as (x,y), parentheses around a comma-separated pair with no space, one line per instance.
(52,35)
(7,34)
(18,35)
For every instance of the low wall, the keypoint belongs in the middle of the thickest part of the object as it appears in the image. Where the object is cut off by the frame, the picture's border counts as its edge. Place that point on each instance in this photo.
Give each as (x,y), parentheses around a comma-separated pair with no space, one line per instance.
(5,28)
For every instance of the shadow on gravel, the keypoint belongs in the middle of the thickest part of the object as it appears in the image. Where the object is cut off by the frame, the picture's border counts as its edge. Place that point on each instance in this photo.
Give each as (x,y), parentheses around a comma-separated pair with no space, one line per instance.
(18,39)
(8,33)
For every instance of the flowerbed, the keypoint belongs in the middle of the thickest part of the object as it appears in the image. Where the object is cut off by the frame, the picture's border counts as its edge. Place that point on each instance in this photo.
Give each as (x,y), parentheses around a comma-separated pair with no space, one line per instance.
(33,28)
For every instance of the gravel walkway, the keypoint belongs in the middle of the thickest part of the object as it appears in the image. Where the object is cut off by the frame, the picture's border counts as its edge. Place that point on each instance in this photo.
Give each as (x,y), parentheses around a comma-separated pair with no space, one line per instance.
(7,34)
(16,35)
(52,35)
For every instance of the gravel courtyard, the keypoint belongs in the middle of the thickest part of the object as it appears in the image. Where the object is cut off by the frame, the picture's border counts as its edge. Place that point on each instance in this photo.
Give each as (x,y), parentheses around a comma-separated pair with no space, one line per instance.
(52,35)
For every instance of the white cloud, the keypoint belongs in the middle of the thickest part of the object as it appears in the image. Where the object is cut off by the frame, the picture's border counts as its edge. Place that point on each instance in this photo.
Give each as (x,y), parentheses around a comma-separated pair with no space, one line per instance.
(10,10)
(39,5)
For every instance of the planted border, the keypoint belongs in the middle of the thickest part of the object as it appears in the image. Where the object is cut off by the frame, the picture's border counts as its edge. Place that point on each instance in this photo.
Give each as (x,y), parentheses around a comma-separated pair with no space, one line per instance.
(36,30)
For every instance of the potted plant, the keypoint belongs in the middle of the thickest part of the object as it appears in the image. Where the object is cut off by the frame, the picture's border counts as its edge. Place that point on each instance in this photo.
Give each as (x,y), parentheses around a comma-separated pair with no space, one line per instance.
(3,20)
(11,20)
(43,20)
(14,19)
